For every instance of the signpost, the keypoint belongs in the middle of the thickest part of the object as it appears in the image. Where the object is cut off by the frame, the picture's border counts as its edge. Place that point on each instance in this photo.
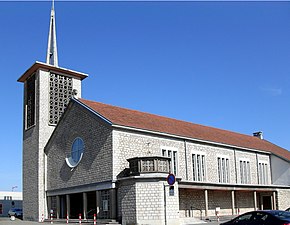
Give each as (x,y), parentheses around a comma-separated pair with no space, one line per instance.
(171,179)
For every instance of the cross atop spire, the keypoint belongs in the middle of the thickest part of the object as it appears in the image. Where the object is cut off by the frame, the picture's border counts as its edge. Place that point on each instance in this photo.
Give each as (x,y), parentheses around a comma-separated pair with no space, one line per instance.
(51,55)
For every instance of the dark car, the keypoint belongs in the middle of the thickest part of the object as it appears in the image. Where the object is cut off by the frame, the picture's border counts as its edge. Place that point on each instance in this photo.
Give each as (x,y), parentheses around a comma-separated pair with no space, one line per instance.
(265,217)
(15,212)
(288,210)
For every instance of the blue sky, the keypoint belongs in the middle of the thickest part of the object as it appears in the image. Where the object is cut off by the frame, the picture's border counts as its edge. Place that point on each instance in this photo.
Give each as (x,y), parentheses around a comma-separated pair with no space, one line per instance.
(221,64)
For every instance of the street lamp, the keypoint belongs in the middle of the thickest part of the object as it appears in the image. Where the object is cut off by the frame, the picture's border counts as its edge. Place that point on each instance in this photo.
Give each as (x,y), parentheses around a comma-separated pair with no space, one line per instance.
(14,188)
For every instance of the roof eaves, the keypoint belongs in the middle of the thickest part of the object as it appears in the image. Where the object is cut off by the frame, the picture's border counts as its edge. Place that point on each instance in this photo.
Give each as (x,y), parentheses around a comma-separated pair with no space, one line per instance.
(46,66)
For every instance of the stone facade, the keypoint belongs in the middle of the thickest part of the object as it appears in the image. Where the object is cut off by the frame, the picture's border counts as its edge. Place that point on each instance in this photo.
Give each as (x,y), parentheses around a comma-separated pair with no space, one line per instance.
(51,183)
(34,140)
(127,202)
(128,144)
(283,196)
(147,200)
(96,164)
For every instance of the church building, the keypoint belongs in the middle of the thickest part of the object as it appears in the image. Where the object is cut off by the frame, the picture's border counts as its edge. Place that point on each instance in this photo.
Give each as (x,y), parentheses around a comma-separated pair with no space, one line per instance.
(129,167)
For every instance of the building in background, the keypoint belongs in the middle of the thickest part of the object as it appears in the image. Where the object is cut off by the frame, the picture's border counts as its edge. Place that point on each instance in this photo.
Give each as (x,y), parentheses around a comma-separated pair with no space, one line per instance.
(9,200)
(85,157)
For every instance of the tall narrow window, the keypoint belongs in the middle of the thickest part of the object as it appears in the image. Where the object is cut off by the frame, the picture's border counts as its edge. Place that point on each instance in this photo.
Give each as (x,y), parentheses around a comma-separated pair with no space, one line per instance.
(198,167)
(245,172)
(263,173)
(30,102)
(223,170)
(174,159)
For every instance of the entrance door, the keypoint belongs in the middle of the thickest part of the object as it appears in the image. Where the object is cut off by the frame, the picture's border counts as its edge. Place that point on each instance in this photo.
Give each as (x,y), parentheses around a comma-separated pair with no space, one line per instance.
(267,202)
(105,205)
(76,205)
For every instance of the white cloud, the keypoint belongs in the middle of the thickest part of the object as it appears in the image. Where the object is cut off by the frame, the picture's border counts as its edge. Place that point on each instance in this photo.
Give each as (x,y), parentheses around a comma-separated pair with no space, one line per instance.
(272,91)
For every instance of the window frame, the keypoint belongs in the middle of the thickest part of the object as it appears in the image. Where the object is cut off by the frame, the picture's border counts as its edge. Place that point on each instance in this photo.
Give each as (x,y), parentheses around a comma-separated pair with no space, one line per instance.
(71,161)
(30,102)
(263,174)
(245,171)
(199,172)
(223,169)
(171,153)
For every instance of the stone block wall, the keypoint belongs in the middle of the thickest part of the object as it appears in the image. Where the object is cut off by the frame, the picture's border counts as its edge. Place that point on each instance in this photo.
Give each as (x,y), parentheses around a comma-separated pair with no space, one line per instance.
(283,196)
(252,158)
(132,144)
(221,199)
(149,203)
(96,164)
(142,201)
(244,202)
(191,203)
(128,144)
(211,154)
(127,202)
(34,141)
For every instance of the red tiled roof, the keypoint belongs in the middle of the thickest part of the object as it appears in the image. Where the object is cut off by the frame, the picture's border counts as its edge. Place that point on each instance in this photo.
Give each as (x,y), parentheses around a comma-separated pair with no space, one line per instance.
(150,122)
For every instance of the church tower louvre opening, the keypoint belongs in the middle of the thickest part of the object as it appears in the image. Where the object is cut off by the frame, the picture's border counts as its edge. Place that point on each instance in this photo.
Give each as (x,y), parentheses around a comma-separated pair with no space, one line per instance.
(48,89)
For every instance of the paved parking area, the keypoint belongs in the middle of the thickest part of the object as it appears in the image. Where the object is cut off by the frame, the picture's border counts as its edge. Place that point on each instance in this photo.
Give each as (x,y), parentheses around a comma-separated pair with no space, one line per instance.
(7,221)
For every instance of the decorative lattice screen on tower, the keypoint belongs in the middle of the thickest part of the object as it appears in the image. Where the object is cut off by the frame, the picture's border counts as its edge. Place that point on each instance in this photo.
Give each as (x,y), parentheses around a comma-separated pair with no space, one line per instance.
(60,92)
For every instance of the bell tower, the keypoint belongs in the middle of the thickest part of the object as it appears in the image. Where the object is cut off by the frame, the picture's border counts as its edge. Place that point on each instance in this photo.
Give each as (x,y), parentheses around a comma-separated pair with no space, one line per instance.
(47,92)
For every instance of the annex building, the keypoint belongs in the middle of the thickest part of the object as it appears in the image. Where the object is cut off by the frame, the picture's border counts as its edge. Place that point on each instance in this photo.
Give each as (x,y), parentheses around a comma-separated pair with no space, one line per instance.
(82,156)
(9,200)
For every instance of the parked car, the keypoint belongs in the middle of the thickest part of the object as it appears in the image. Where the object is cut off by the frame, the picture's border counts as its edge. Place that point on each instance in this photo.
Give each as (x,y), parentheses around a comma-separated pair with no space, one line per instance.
(15,212)
(265,217)
(288,210)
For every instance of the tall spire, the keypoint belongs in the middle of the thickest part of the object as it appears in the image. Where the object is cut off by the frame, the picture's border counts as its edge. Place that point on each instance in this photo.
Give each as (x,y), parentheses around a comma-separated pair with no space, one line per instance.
(51,56)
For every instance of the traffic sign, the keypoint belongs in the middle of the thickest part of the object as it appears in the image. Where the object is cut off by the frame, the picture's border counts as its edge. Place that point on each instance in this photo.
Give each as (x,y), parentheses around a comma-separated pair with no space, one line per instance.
(171,179)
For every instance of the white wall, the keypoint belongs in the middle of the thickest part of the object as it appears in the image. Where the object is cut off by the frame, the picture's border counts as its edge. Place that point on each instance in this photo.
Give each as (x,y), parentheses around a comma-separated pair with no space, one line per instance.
(6,199)
(280,171)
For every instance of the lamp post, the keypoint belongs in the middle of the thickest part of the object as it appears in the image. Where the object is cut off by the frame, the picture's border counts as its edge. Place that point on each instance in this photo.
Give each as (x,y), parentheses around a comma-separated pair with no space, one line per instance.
(14,188)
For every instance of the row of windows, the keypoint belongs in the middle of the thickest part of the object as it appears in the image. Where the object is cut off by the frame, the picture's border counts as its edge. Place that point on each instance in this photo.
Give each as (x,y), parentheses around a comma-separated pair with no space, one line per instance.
(223,168)
(173,155)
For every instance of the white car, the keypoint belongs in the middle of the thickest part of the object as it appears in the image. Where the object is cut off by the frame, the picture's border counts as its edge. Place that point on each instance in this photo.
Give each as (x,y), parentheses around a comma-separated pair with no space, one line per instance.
(15,212)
